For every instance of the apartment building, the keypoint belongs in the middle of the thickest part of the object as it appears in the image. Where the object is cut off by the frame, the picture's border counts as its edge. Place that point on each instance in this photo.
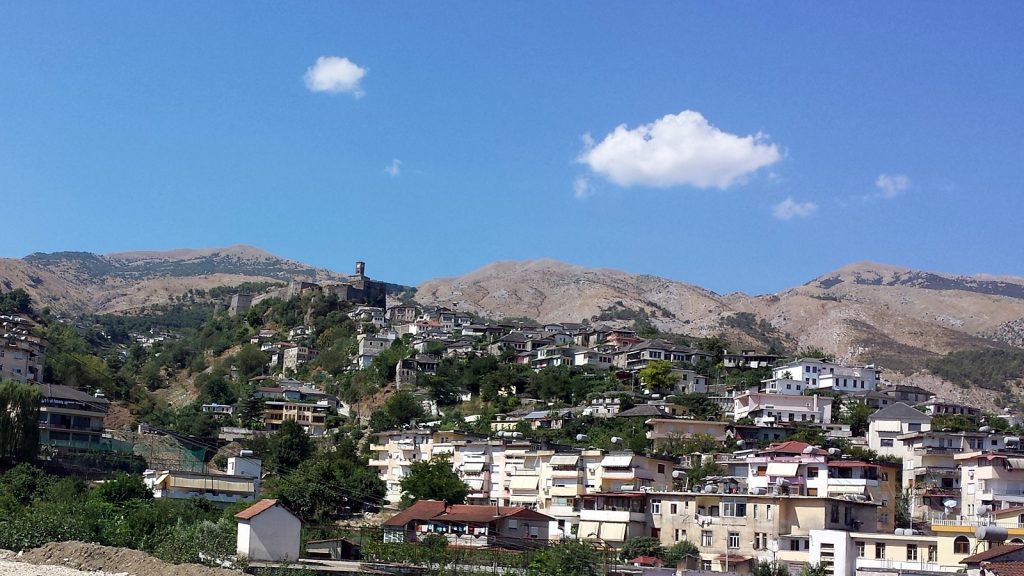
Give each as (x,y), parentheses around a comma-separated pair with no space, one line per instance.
(22,355)
(296,357)
(70,417)
(816,373)
(886,426)
(929,466)
(311,416)
(668,431)
(989,481)
(733,531)
(783,409)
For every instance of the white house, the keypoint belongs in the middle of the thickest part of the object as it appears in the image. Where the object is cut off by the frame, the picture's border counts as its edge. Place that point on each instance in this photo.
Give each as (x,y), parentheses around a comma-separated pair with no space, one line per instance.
(887,425)
(268,532)
(816,373)
(781,408)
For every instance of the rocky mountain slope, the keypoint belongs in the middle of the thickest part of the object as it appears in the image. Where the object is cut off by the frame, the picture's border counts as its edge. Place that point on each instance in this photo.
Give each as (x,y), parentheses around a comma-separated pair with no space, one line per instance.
(77,282)
(862,312)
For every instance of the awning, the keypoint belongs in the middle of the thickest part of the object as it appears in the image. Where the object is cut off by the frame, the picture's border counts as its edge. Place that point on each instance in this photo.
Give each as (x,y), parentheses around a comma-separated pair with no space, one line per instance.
(617,461)
(845,490)
(565,459)
(524,483)
(588,530)
(475,483)
(1015,463)
(785,469)
(613,531)
(473,467)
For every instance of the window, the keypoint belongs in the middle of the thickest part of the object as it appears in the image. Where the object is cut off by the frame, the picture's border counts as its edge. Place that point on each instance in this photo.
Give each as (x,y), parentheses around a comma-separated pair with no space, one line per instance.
(768,511)
(705,565)
(705,538)
(655,505)
(513,524)
(860,549)
(673,508)
(755,511)
(961,545)
(880,550)
(734,508)
(757,540)
(911,551)
(734,540)
(661,468)
(812,472)
(933,553)
(887,443)
(833,513)
(915,427)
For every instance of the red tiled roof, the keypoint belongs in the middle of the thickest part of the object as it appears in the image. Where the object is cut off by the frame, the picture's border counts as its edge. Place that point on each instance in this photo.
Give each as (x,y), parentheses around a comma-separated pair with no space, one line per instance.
(470,513)
(791,447)
(991,553)
(257,508)
(647,561)
(1006,568)
(420,510)
(1011,509)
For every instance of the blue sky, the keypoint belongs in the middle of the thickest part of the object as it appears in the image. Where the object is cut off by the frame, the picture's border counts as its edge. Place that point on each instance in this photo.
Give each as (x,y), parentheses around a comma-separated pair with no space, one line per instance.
(725,144)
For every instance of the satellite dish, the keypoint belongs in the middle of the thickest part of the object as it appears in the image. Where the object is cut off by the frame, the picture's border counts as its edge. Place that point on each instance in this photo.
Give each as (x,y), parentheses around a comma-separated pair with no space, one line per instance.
(950,503)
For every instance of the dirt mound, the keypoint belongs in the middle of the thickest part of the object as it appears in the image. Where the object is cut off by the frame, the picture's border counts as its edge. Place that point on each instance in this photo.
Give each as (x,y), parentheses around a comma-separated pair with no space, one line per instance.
(85,556)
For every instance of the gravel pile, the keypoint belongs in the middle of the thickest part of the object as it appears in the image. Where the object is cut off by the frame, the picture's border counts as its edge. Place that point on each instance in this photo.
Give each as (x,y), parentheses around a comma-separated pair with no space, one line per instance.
(68,558)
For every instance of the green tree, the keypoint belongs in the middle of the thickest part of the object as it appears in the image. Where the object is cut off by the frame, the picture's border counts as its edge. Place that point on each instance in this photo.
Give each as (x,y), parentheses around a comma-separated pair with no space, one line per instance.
(700,406)
(19,421)
(657,375)
(288,446)
(327,483)
(122,488)
(680,552)
(16,301)
(766,568)
(250,361)
(401,408)
(645,546)
(696,474)
(567,558)
(857,414)
(815,570)
(902,511)
(433,479)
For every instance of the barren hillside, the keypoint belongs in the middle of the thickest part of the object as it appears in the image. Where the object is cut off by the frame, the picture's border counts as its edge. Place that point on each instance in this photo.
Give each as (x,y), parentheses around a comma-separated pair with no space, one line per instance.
(76,282)
(862,312)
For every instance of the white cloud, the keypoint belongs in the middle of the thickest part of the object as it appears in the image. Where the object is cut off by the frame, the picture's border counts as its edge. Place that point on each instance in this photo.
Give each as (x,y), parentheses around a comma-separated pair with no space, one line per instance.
(393,169)
(581,187)
(890,185)
(789,209)
(680,149)
(335,74)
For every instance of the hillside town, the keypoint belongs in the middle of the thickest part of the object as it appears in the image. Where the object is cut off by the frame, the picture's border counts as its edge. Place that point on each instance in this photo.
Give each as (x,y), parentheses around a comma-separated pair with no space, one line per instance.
(739,458)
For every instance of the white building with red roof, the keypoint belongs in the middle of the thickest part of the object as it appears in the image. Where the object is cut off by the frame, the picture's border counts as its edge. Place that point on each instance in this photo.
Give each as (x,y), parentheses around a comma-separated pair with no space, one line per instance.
(268,532)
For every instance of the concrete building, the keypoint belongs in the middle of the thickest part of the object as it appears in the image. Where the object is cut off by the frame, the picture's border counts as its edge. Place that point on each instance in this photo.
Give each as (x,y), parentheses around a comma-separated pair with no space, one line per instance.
(22,355)
(69,417)
(783,409)
(268,532)
(886,426)
(311,416)
(221,489)
(296,357)
(733,531)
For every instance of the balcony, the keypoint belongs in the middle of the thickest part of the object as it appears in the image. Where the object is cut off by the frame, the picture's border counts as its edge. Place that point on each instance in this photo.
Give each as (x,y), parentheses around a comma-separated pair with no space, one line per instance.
(612,516)
(852,482)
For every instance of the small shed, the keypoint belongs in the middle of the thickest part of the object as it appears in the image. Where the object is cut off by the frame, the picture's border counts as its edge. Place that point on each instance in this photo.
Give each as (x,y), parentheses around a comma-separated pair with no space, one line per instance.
(268,532)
